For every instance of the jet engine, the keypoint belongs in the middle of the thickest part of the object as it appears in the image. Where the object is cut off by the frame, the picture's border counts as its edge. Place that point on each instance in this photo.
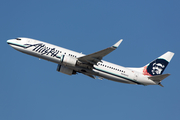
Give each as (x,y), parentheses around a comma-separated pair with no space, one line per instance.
(68,60)
(65,70)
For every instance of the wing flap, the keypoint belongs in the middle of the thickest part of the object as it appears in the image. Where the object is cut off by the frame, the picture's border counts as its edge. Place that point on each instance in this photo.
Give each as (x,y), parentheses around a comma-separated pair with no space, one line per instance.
(92,76)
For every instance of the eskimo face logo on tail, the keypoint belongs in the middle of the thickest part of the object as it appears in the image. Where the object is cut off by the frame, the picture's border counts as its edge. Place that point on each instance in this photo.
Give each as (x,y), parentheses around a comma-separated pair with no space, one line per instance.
(157,67)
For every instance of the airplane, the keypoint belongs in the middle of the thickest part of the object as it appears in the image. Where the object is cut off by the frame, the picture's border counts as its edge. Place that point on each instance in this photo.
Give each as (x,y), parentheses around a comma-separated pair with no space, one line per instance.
(71,62)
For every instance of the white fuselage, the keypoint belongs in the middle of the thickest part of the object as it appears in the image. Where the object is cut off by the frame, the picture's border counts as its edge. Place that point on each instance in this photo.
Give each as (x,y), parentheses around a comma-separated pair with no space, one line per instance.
(103,69)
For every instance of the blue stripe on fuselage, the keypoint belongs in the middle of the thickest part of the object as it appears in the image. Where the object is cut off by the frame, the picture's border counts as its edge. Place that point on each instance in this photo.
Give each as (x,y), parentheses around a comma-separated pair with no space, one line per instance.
(118,76)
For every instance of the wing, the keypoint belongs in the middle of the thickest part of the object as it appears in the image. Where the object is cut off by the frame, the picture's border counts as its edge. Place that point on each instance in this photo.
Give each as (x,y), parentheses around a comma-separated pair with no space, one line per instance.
(96,57)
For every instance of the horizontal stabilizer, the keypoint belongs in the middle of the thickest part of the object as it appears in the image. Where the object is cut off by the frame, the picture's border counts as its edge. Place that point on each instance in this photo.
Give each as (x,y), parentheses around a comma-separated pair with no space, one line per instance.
(159,78)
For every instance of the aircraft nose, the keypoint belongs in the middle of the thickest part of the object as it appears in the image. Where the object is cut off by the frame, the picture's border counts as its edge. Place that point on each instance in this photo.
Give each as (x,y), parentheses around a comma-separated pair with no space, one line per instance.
(9,41)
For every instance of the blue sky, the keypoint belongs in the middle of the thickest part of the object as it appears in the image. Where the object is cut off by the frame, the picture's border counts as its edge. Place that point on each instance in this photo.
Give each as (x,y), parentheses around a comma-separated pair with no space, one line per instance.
(32,89)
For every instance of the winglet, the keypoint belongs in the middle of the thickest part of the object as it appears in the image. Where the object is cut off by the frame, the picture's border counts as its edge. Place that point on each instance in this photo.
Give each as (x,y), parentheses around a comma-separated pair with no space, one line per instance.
(118,43)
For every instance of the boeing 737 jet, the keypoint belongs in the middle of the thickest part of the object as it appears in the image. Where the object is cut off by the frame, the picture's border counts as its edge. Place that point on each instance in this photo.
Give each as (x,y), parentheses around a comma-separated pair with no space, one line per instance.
(71,62)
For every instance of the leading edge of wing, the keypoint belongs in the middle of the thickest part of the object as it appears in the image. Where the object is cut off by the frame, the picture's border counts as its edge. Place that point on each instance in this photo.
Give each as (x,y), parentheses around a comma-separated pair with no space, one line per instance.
(96,57)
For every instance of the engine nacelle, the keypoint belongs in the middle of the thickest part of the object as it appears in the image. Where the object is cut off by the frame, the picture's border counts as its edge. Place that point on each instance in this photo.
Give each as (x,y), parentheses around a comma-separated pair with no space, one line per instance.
(65,70)
(68,60)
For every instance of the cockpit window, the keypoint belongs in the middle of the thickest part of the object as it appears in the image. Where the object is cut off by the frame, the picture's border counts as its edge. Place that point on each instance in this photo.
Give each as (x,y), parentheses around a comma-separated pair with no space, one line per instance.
(18,39)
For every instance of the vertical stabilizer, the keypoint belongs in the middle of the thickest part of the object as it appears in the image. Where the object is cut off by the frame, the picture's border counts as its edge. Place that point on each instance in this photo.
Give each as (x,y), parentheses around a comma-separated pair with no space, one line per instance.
(158,66)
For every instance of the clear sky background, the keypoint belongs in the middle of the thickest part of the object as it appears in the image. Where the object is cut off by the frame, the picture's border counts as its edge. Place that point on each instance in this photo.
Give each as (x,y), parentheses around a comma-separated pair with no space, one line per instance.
(32,89)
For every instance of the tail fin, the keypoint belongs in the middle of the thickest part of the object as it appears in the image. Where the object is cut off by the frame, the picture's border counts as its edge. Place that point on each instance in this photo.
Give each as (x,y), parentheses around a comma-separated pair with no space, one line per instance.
(158,66)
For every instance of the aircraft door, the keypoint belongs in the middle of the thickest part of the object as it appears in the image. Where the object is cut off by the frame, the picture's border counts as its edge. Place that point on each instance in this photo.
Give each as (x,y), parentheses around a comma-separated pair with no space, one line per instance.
(29,41)
(135,76)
